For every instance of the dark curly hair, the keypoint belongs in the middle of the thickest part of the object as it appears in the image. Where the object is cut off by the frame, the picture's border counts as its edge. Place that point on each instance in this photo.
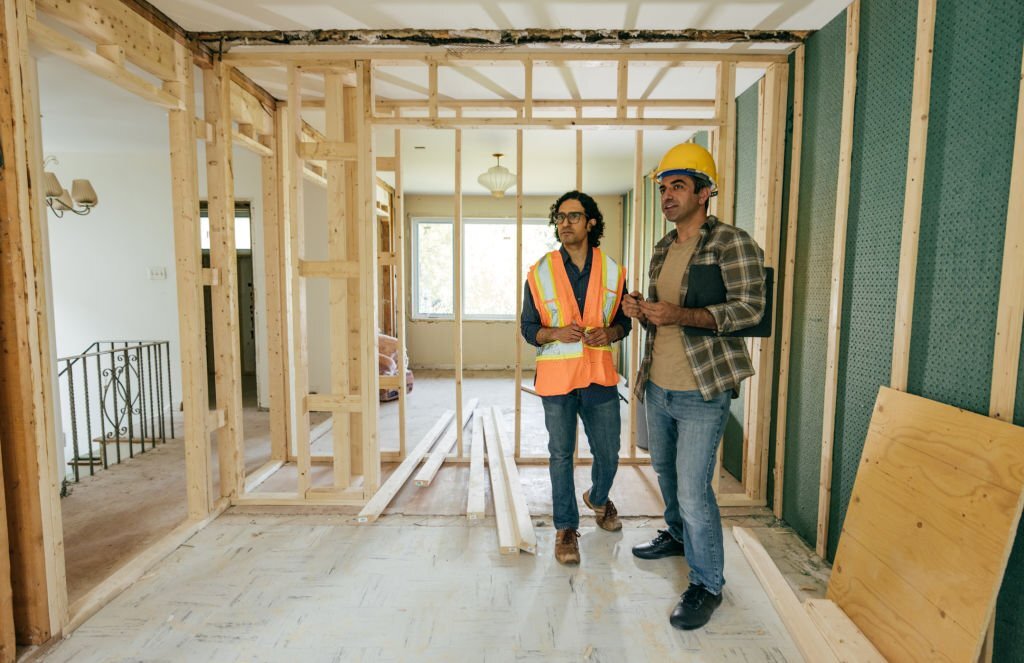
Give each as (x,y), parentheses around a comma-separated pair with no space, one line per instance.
(590,208)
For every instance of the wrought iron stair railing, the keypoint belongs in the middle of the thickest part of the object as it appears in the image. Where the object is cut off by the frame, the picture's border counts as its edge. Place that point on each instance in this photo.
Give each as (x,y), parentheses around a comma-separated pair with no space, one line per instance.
(116,397)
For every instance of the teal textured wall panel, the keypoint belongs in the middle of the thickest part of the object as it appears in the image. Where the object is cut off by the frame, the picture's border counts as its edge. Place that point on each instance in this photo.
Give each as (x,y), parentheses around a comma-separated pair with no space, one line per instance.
(819,157)
(745,201)
(977,57)
(885,78)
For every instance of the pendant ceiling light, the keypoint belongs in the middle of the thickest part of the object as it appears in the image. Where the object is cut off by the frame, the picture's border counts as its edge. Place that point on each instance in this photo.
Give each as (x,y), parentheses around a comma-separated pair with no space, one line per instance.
(497,179)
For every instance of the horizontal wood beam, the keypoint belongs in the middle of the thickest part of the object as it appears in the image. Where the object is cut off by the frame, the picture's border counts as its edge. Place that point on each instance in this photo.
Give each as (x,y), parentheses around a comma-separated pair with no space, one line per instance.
(50,40)
(316,57)
(252,144)
(664,123)
(331,403)
(225,40)
(328,150)
(329,269)
(515,104)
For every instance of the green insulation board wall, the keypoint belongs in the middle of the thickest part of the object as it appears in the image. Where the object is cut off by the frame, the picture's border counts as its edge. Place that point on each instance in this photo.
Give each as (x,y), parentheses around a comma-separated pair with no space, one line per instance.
(746,181)
(819,156)
(885,78)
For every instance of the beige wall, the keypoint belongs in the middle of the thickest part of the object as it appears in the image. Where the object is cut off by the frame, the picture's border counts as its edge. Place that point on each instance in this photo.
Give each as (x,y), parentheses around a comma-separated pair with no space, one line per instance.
(485,345)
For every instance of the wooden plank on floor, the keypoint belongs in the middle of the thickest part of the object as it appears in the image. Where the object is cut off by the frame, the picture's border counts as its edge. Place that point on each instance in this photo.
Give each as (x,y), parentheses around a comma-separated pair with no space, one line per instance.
(475,505)
(443,448)
(927,536)
(808,639)
(525,536)
(507,538)
(846,640)
(387,492)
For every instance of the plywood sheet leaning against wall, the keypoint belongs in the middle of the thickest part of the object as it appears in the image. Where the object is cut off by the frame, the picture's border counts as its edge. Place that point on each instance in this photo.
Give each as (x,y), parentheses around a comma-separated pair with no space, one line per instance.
(929,530)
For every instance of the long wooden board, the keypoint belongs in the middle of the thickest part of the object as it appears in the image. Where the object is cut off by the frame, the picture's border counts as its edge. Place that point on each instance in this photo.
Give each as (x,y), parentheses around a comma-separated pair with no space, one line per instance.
(443,448)
(440,452)
(390,488)
(526,538)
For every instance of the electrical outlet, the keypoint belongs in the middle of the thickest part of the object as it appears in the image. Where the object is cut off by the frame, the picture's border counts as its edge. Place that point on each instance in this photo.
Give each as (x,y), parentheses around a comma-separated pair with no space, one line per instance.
(157,273)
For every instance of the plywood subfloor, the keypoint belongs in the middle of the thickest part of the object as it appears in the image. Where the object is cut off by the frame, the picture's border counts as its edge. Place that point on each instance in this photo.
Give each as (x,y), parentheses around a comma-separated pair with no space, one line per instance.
(318,588)
(116,514)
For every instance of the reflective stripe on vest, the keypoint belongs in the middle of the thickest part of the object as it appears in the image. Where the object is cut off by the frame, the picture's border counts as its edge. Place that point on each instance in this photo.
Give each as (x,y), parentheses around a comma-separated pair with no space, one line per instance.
(562,367)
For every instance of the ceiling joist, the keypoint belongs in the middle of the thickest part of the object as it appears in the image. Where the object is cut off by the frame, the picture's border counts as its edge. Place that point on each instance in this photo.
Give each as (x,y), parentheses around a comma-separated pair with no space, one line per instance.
(224,41)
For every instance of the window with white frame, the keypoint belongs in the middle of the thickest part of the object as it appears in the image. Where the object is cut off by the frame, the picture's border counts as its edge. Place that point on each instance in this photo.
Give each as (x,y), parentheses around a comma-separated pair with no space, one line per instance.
(489,284)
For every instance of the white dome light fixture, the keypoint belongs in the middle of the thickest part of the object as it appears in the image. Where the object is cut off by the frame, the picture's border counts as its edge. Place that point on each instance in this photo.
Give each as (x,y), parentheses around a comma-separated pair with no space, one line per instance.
(497,179)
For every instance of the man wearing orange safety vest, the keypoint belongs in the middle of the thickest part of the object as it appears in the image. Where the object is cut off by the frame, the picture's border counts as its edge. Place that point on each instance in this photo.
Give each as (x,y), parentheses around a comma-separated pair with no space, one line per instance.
(571,313)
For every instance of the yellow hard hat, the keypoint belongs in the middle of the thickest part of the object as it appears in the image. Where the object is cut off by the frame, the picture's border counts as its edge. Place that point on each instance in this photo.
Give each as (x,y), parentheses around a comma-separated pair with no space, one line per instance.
(689,159)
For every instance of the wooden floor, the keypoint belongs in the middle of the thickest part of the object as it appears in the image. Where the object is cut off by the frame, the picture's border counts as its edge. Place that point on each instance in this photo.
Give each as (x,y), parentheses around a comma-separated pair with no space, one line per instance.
(319,588)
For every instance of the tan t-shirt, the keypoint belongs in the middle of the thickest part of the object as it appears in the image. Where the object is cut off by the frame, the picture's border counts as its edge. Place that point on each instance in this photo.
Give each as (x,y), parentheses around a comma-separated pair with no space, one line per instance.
(670,368)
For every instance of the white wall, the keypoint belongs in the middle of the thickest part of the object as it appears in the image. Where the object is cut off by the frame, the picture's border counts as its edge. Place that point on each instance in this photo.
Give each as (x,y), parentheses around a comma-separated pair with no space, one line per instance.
(485,345)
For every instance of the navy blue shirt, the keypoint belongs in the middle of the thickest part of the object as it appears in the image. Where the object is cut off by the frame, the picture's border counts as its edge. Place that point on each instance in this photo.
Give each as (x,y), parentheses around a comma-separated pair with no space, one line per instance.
(530,324)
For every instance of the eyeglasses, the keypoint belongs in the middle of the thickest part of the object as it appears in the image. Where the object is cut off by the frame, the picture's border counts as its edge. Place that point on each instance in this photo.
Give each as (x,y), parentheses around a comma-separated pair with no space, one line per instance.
(572,217)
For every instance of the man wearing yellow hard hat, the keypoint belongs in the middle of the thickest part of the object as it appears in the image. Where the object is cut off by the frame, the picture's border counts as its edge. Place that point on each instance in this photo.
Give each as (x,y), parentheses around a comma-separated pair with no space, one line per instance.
(686,380)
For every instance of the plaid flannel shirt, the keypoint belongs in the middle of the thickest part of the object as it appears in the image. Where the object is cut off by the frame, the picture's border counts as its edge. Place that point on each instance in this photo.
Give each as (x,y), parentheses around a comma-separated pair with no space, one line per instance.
(719,362)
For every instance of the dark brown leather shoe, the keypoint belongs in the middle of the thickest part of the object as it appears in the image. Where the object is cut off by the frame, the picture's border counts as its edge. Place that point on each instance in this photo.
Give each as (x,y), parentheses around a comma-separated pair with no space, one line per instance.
(567,548)
(606,515)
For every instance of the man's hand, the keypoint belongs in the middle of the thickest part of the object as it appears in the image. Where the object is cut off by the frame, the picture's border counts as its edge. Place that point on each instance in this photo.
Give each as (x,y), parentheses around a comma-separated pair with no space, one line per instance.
(571,333)
(631,304)
(661,313)
(599,336)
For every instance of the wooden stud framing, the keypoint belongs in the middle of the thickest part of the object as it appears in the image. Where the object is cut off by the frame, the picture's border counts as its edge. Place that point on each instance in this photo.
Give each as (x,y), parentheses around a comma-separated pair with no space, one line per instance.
(473,122)
(767,225)
(786,321)
(274,242)
(725,142)
(223,257)
(290,135)
(622,80)
(522,105)
(399,219)
(188,266)
(457,299)
(338,230)
(838,267)
(527,89)
(579,153)
(914,192)
(638,270)
(27,427)
(366,218)
(114,23)
(517,338)
(8,646)
(95,63)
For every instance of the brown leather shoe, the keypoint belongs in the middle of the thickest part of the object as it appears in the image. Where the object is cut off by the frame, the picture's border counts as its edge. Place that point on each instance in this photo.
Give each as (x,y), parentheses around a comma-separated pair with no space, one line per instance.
(567,549)
(606,515)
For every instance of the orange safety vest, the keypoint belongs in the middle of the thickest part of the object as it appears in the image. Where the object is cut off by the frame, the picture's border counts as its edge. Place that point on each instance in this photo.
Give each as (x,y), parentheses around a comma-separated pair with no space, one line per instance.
(562,367)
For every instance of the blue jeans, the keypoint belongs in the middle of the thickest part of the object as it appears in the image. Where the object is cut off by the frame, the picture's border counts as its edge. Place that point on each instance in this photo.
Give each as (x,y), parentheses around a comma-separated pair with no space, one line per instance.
(684,431)
(602,424)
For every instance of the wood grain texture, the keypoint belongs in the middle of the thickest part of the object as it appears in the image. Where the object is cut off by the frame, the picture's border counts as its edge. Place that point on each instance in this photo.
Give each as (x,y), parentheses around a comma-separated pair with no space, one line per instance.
(928,531)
